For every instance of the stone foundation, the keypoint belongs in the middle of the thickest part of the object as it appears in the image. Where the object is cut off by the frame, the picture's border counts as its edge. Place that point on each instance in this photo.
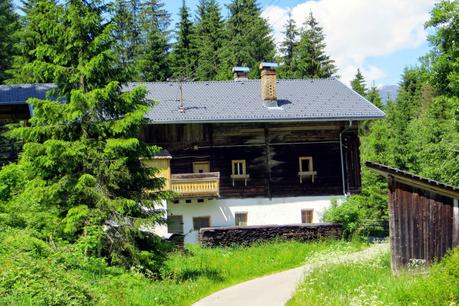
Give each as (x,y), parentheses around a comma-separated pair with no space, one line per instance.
(226,236)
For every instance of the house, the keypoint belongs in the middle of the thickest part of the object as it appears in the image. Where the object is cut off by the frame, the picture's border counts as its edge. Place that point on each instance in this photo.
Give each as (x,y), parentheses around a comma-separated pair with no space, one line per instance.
(424,217)
(255,152)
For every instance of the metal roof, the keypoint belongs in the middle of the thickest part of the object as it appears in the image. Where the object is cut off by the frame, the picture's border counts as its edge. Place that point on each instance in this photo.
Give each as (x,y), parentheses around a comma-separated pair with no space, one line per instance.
(239,101)
(18,94)
(413,179)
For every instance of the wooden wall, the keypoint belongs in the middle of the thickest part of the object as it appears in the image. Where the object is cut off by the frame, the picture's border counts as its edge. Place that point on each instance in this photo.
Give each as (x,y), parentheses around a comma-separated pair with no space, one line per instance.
(421,224)
(271,152)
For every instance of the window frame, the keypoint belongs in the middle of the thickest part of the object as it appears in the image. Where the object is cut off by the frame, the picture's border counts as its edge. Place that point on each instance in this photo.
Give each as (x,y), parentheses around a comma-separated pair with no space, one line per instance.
(309,210)
(181,224)
(197,217)
(244,213)
(197,163)
(311,164)
(244,167)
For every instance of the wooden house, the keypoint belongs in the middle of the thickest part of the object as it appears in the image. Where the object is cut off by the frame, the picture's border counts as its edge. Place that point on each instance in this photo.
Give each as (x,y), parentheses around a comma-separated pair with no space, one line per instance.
(424,217)
(255,152)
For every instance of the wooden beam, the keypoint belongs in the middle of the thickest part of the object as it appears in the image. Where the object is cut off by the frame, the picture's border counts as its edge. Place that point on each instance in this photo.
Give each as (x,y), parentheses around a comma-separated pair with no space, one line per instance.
(456,223)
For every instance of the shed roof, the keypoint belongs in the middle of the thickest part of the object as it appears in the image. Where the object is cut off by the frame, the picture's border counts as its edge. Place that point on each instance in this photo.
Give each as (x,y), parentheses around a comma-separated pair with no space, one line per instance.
(237,101)
(415,180)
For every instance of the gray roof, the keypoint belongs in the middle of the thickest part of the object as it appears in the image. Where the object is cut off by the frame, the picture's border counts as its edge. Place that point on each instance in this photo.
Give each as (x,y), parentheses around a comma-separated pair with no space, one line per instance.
(239,101)
(18,94)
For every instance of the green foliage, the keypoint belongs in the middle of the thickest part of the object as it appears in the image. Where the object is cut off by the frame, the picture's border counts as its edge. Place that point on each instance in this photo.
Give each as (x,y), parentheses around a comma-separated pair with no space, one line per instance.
(184,53)
(249,42)
(372,283)
(310,59)
(358,83)
(421,132)
(287,49)
(209,40)
(9,24)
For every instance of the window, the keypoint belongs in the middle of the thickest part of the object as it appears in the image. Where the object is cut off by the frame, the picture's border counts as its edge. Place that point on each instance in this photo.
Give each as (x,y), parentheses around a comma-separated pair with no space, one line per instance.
(240,219)
(200,222)
(239,167)
(306,164)
(175,224)
(188,201)
(201,167)
(307,215)
(306,168)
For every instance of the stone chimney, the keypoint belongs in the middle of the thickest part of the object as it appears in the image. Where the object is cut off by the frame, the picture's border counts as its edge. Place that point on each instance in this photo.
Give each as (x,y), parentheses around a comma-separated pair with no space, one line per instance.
(268,81)
(241,73)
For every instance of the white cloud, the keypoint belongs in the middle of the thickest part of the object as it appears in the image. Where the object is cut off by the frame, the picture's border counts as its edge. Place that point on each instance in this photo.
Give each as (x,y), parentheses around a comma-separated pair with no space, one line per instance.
(358,29)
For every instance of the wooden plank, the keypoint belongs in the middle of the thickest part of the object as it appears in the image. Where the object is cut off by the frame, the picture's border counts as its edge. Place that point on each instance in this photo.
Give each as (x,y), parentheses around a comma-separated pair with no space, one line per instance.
(455,225)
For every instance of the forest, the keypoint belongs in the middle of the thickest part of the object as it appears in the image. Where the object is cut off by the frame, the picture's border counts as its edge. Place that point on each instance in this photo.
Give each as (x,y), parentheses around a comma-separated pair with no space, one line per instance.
(74,207)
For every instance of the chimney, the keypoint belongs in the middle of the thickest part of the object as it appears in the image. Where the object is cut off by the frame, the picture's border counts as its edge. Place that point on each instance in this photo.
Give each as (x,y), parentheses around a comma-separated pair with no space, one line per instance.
(241,73)
(268,81)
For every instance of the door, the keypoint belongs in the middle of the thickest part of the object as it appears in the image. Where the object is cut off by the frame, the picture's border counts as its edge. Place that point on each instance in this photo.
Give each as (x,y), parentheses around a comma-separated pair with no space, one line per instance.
(201,167)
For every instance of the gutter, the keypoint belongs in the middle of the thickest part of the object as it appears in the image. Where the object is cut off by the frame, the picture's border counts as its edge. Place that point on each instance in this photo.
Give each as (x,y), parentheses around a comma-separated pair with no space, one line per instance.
(341,154)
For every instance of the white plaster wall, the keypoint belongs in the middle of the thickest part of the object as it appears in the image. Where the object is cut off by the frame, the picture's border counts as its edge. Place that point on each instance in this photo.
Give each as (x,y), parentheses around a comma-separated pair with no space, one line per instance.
(261,211)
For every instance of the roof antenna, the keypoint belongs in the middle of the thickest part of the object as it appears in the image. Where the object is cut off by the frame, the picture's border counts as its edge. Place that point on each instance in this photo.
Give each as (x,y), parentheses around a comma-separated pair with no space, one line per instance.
(181,105)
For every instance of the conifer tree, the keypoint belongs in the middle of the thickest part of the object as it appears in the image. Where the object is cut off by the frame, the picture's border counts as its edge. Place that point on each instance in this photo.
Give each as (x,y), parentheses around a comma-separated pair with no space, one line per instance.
(310,60)
(183,56)
(82,177)
(249,38)
(38,43)
(9,24)
(154,62)
(209,39)
(358,83)
(374,97)
(126,35)
(287,49)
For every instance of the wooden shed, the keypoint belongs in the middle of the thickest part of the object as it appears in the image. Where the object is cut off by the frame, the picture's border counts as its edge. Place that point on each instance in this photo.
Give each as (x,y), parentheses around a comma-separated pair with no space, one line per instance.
(424,216)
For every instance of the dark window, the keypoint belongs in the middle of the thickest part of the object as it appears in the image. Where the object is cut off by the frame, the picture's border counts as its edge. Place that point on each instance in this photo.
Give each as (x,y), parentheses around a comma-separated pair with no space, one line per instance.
(307,215)
(200,222)
(175,224)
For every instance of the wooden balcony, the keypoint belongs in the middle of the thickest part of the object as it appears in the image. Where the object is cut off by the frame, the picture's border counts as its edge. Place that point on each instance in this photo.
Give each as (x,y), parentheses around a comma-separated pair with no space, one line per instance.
(196,185)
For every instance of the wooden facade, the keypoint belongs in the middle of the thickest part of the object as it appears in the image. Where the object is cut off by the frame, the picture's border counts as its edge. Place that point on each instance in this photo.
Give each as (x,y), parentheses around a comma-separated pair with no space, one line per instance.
(271,153)
(424,217)
(10,113)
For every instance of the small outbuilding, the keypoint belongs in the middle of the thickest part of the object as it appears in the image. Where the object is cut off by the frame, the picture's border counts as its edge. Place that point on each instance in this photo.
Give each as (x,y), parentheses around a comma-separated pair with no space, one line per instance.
(424,216)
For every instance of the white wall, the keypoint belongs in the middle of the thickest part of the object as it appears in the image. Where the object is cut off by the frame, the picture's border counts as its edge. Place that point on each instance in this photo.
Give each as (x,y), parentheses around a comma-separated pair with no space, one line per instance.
(261,211)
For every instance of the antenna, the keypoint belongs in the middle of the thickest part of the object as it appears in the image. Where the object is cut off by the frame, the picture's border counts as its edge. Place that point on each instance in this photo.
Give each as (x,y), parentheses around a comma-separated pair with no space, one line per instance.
(181,105)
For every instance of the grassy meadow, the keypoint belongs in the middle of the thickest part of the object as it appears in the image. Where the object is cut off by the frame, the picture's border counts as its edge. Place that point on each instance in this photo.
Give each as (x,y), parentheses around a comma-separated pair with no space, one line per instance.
(36,276)
(372,283)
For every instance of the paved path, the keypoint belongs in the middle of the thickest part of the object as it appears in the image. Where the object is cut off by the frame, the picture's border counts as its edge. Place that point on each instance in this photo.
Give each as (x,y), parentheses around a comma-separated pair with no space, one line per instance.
(276,289)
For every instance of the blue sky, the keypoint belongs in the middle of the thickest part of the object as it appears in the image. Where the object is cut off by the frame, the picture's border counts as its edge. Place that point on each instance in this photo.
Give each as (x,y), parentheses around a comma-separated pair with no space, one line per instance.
(381,37)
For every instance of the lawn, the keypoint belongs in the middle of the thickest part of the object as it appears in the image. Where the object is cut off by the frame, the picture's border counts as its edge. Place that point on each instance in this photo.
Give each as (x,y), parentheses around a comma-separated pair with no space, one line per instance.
(191,276)
(372,283)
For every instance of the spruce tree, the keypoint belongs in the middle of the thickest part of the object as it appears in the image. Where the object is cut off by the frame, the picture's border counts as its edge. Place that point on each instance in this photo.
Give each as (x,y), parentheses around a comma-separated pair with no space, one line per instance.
(249,38)
(183,57)
(38,43)
(287,49)
(209,39)
(310,60)
(154,62)
(374,97)
(82,179)
(9,24)
(126,35)
(358,83)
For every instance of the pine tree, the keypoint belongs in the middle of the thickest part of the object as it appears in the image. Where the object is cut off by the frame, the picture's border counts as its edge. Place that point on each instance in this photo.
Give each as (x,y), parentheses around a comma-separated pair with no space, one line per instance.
(154,62)
(82,177)
(287,49)
(249,38)
(183,56)
(358,83)
(39,40)
(209,39)
(310,60)
(9,24)
(126,34)
(374,97)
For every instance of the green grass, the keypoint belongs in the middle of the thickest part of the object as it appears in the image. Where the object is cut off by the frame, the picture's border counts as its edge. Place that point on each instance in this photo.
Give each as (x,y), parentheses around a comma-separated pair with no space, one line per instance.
(191,276)
(372,283)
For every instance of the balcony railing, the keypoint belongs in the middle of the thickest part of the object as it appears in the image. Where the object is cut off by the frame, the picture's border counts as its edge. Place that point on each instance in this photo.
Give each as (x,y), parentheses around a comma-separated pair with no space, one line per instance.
(192,185)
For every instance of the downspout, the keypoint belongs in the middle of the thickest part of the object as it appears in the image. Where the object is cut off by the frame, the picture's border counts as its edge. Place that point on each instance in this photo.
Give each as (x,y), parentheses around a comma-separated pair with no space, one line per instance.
(341,154)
